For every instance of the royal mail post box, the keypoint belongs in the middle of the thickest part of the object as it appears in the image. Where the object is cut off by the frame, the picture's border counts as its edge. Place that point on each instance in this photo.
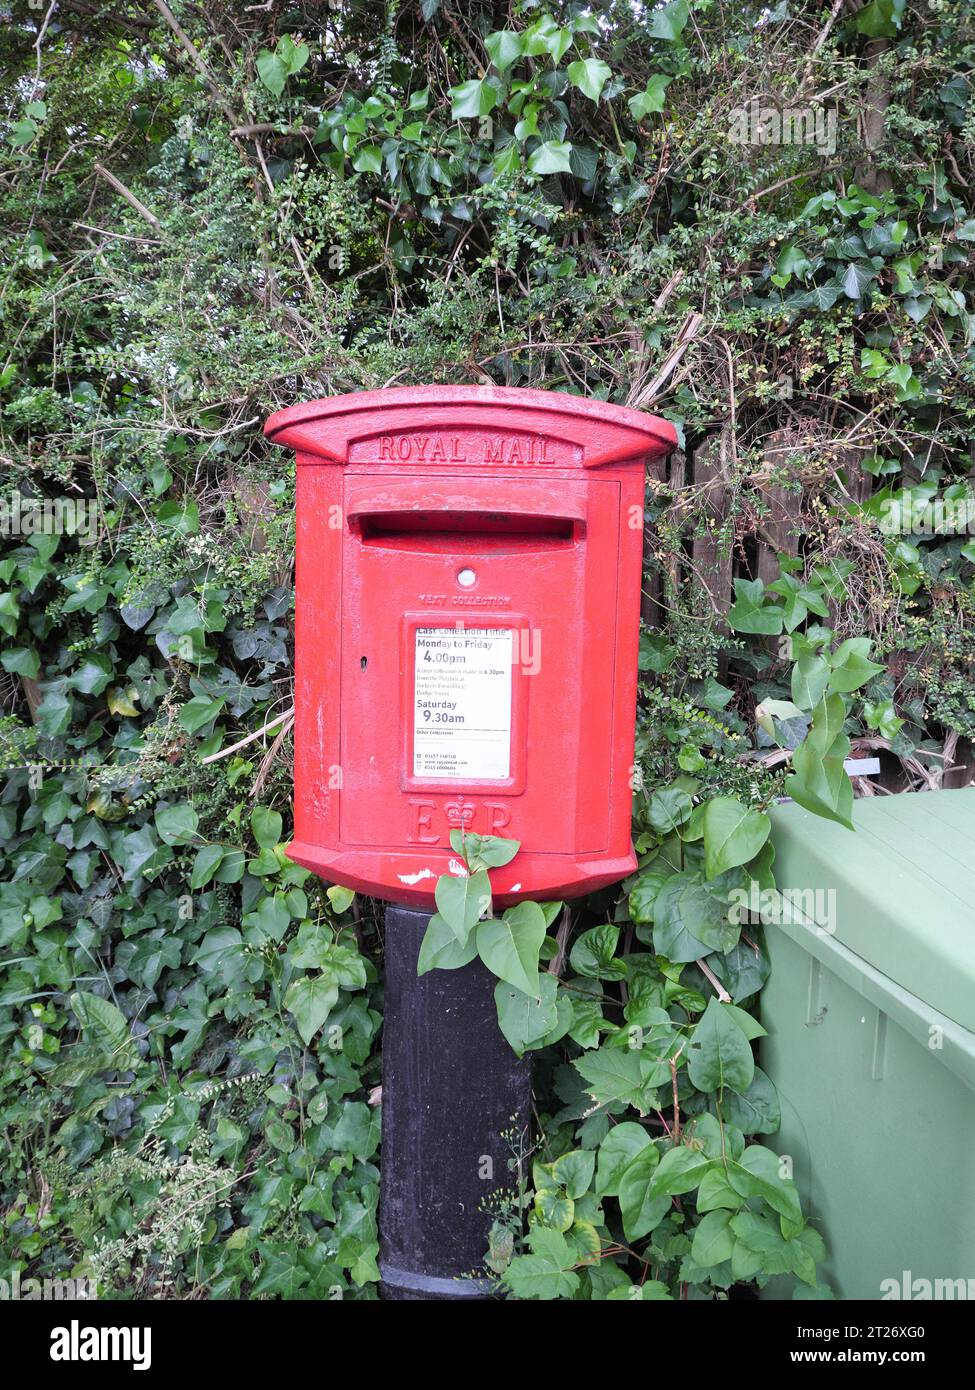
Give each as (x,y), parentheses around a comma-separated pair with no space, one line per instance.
(468,595)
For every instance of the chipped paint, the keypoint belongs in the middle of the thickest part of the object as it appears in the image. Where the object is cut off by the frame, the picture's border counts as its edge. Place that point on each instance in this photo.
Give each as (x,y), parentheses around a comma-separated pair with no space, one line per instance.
(416,878)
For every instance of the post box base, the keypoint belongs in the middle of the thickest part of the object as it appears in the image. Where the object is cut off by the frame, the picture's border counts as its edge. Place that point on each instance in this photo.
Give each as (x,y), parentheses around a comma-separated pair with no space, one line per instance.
(451,1088)
(405,1286)
(542,877)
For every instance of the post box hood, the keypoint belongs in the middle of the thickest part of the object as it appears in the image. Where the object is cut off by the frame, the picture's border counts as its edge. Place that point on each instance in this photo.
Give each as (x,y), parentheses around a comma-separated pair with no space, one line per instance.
(601,433)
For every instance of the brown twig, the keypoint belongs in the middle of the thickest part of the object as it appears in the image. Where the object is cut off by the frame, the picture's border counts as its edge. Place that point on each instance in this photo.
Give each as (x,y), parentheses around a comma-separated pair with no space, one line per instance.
(247,132)
(129,197)
(561,941)
(271,724)
(821,38)
(686,334)
(193,54)
(719,988)
(268,759)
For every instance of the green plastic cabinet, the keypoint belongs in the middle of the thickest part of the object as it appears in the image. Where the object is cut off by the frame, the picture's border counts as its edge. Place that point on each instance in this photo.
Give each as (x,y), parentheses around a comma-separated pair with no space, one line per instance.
(870,1012)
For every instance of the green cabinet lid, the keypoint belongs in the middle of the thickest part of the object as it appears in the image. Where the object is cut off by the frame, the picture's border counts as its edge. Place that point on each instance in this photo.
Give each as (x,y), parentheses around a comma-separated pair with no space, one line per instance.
(899,891)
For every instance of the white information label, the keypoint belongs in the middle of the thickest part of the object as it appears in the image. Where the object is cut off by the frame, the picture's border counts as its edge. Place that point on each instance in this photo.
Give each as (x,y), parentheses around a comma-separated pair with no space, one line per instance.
(462,703)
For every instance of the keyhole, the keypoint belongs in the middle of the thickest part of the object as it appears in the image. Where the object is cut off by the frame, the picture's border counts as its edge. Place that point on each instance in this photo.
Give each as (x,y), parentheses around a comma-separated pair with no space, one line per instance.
(363,663)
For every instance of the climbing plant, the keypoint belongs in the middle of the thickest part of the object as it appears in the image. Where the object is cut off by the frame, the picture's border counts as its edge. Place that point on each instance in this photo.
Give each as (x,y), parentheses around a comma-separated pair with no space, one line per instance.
(647,1011)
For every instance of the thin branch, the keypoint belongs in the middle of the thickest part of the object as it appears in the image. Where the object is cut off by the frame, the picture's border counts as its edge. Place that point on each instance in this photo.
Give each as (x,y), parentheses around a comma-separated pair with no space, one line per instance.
(40,39)
(247,132)
(193,54)
(719,988)
(271,724)
(129,197)
(269,757)
(121,236)
(688,331)
(821,38)
(562,940)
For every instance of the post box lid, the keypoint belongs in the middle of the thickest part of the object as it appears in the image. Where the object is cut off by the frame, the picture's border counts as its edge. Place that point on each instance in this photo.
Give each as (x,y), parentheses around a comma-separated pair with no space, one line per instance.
(903,886)
(601,433)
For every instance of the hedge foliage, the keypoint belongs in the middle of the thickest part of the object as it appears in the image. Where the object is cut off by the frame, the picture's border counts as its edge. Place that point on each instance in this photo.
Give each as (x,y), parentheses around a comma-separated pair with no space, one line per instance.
(214,211)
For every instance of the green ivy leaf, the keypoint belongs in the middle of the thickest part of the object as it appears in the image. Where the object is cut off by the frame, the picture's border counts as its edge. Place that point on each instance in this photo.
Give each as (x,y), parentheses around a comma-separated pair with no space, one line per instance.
(484,851)
(642,1208)
(440,949)
(368,159)
(574,1171)
(818,780)
(473,99)
(590,75)
(311,1000)
(881,715)
(340,898)
(669,23)
(176,825)
(509,945)
(201,710)
(268,922)
(644,892)
(681,1169)
(271,71)
(716,1191)
(547,1272)
(593,954)
(21,661)
(719,1054)
(205,865)
(554,1209)
(55,713)
(713,1239)
(750,613)
(857,279)
(525,1019)
(652,98)
(669,808)
(462,901)
(691,919)
(621,1145)
(266,826)
(733,834)
(757,1110)
(551,157)
(504,47)
(810,677)
(759,1173)
(851,667)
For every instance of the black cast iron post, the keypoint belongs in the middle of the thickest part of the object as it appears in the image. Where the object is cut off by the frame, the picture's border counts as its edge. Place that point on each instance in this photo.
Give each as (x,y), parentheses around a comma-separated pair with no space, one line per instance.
(451,1086)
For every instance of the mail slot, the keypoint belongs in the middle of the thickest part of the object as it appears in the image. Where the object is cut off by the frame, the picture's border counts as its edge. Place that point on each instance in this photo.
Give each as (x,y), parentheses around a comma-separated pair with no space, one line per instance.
(468,595)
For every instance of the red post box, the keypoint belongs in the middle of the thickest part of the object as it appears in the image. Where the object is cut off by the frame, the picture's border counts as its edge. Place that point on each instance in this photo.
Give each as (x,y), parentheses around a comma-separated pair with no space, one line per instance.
(468,596)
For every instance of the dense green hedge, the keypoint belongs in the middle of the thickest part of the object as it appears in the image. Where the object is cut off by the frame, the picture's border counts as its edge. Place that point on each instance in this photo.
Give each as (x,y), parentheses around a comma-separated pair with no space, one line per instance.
(213,211)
